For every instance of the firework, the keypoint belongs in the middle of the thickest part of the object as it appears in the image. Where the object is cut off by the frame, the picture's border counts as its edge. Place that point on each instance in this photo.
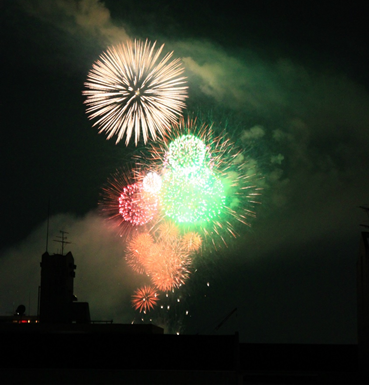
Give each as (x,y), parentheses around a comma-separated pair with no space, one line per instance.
(109,196)
(168,233)
(144,299)
(186,154)
(191,242)
(152,183)
(129,89)
(208,183)
(170,268)
(137,206)
(192,198)
(165,258)
(138,251)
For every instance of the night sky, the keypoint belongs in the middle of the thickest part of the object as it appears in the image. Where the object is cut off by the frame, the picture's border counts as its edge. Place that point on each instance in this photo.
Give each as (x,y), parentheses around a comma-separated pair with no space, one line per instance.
(289,78)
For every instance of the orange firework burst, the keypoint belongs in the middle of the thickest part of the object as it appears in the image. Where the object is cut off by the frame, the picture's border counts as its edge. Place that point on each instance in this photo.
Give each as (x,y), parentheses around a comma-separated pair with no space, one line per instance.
(139,250)
(129,90)
(191,242)
(168,233)
(144,299)
(170,268)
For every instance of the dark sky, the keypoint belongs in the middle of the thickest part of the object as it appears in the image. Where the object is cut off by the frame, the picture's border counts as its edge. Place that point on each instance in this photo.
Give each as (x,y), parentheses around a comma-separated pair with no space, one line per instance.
(291,79)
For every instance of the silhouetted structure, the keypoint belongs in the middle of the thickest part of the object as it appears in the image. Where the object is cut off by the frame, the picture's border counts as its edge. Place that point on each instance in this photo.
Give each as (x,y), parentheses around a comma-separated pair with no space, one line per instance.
(57,301)
(68,348)
(363,301)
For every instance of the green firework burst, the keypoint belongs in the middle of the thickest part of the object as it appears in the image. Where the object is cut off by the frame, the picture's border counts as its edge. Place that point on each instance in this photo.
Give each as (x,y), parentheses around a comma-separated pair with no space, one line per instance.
(193,197)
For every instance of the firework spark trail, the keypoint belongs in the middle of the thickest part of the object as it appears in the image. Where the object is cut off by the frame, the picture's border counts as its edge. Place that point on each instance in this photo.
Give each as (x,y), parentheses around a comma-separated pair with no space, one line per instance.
(129,91)
(144,298)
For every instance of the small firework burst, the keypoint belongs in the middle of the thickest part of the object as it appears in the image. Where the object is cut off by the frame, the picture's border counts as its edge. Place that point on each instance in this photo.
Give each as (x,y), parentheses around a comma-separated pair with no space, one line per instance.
(130,90)
(144,298)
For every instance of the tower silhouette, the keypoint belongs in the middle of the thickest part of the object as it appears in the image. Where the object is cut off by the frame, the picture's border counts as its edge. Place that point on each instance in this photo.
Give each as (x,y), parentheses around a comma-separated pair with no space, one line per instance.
(56,296)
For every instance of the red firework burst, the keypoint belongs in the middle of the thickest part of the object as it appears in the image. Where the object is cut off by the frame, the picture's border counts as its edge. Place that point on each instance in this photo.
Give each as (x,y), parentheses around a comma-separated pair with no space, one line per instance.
(137,206)
(144,299)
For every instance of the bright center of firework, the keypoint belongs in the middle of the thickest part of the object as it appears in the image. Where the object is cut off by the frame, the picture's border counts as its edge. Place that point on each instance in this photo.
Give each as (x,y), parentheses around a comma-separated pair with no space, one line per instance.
(152,183)
(192,198)
(186,153)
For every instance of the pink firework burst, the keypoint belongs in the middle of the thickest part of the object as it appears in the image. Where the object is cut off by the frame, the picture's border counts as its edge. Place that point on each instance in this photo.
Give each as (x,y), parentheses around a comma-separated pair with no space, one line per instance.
(137,206)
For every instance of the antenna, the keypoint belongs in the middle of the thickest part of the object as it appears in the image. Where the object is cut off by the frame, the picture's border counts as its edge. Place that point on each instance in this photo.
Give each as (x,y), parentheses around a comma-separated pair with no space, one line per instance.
(63,240)
(47,226)
(225,318)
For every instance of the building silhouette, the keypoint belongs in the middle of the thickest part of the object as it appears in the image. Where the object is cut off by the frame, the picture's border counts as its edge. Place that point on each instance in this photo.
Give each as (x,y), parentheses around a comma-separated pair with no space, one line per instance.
(67,347)
(58,304)
(363,301)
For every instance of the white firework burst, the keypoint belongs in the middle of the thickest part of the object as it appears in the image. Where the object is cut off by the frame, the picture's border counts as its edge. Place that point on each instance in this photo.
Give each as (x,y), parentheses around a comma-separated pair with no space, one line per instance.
(129,90)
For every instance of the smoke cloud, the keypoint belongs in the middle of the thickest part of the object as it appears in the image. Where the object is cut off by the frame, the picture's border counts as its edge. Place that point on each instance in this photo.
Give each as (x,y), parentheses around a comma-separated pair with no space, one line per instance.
(86,18)
(102,277)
